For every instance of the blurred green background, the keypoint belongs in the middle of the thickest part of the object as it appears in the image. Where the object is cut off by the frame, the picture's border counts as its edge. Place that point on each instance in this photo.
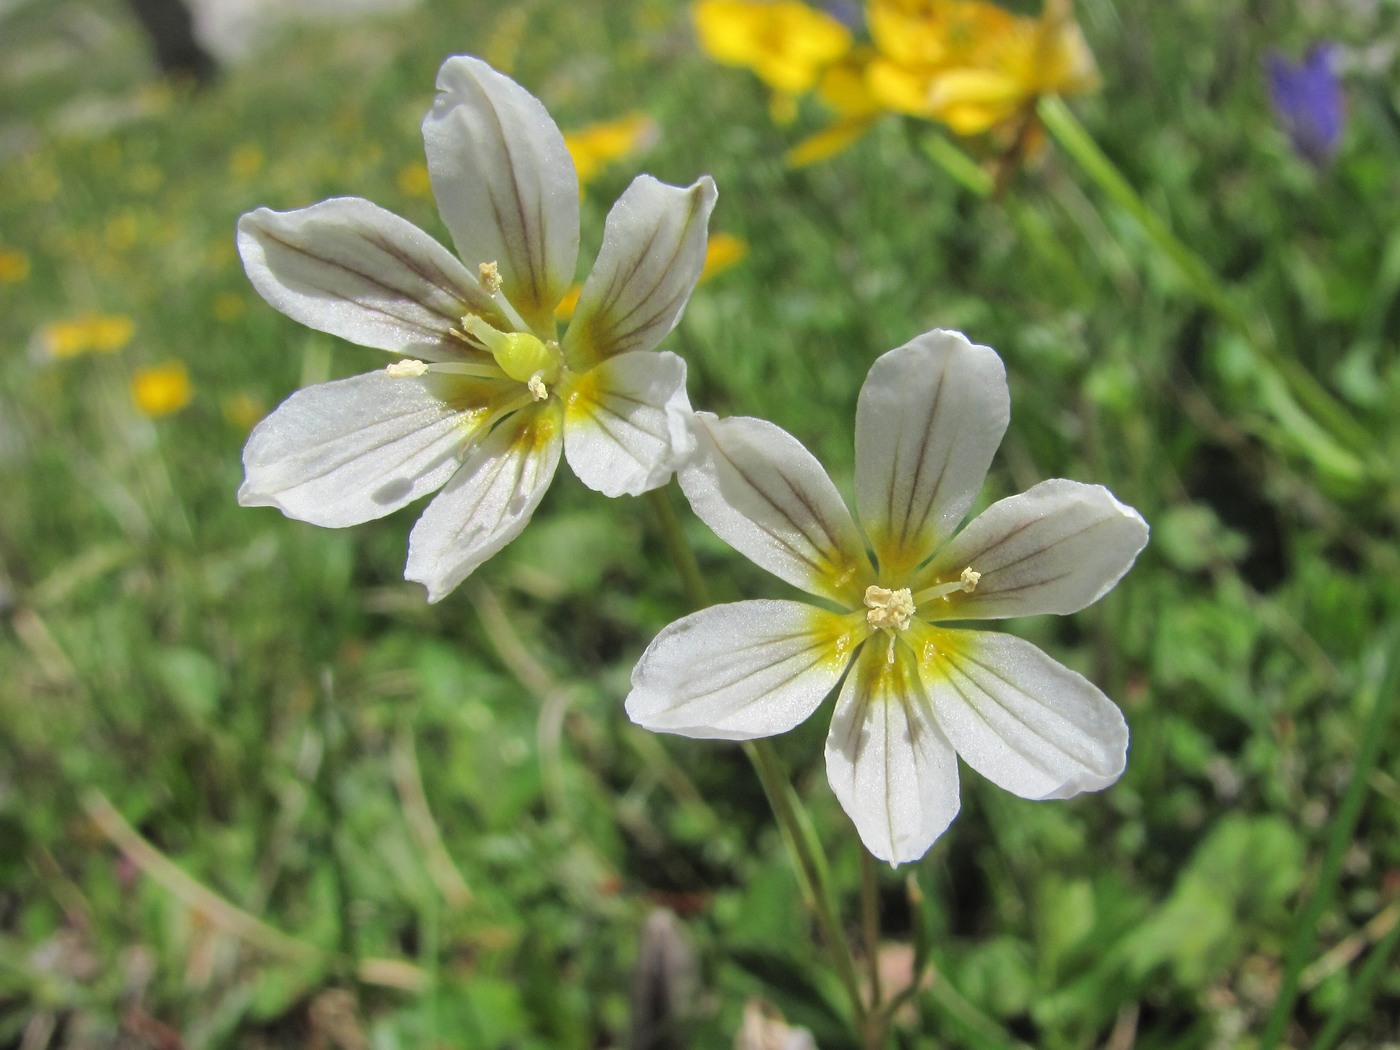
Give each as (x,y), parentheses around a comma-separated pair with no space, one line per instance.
(254,792)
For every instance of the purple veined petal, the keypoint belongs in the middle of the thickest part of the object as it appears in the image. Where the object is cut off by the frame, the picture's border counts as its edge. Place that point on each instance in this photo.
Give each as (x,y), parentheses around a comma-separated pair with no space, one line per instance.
(889,764)
(346,452)
(505,185)
(930,417)
(653,252)
(1022,720)
(626,423)
(741,671)
(351,269)
(765,495)
(488,502)
(1055,548)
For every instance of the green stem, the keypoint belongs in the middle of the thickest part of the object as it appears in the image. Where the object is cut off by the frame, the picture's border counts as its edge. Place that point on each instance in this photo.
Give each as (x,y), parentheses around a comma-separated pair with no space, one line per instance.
(1373,738)
(810,864)
(1061,122)
(678,547)
(804,848)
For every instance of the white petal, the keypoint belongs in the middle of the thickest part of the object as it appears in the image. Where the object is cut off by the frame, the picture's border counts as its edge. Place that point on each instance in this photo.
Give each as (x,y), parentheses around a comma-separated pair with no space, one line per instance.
(889,764)
(342,453)
(930,417)
(1053,549)
(1022,720)
(487,503)
(350,268)
(767,497)
(653,252)
(626,424)
(505,185)
(736,672)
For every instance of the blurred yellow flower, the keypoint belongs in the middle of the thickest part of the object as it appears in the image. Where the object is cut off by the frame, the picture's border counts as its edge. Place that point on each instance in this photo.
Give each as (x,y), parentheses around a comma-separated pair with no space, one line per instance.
(93,333)
(596,146)
(245,162)
(786,43)
(161,389)
(503,45)
(228,306)
(243,411)
(413,180)
(972,65)
(844,88)
(14,266)
(723,251)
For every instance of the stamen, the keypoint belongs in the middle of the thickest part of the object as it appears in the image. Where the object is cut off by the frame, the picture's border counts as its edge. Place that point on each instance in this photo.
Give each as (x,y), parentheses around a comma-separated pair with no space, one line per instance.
(966,582)
(536,387)
(406,369)
(889,610)
(490,276)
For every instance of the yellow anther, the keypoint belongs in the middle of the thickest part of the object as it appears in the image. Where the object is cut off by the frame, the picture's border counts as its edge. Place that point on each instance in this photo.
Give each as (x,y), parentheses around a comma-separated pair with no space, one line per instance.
(889,610)
(406,369)
(969,579)
(536,386)
(490,276)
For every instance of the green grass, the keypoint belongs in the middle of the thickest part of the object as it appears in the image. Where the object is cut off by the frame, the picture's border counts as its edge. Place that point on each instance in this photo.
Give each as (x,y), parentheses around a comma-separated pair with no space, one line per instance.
(433,826)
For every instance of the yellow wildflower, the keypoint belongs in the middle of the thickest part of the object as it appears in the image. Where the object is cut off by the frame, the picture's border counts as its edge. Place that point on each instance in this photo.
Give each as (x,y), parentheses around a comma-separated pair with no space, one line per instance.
(14,266)
(972,65)
(243,411)
(786,43)
(844,87)
(228,306)
(162,389)
(723,251)
(413,180)
(596,146)
(245,162)
(99,333)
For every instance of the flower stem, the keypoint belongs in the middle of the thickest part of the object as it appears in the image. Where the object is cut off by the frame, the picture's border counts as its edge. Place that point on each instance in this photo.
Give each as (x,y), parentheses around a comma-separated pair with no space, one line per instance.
(1338,423)
(810,864)
(678,547)
(804,848)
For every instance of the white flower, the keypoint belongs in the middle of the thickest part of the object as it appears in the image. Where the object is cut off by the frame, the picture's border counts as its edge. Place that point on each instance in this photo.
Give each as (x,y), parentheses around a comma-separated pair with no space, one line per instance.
(483,397)
(929,419)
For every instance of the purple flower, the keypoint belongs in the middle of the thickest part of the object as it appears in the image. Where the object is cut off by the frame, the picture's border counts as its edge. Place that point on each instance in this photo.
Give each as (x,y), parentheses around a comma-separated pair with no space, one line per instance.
(1307,99)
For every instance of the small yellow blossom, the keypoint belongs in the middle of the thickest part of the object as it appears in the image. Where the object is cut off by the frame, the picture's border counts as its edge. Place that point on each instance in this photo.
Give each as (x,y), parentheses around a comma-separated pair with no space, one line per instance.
(94,333)
(161,389)
(723,251)
(786,43)
(413,180)
(596,146)
(228,306)
(972,65)
(844,88)
(245,162)
(503,45)
(243,411)
(14,266)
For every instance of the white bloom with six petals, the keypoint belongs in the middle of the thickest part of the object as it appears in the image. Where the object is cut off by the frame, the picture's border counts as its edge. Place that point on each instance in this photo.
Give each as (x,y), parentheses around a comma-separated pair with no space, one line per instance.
(483,397)
(917,692)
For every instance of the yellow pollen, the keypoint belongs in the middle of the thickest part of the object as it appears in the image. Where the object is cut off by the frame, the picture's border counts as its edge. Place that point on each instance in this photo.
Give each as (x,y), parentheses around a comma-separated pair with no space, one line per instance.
(888,610)
(406,369)
(536,387)
(490,276)
(969,579)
